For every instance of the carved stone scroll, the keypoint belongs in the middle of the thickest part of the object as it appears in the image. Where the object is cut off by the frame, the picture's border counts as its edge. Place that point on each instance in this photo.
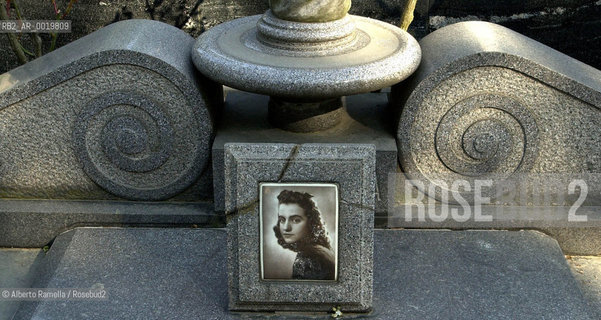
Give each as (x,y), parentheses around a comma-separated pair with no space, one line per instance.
(121,110)
(489,102)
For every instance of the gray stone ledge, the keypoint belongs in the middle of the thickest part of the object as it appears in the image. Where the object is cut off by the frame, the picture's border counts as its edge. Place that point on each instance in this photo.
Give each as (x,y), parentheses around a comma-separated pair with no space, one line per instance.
(429,274)
(146,43)
(35,223)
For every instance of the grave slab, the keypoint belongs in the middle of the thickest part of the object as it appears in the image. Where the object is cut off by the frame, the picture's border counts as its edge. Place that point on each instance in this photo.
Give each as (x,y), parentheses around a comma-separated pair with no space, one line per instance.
(426,274)
(18,268)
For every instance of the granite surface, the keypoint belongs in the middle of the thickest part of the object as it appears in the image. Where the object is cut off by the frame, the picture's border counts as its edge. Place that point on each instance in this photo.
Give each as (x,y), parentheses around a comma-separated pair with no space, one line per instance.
(349,166)
(277,37)
(147,273)
(244,119)
(175,273)
(35,223)
(489,102)
(581,240)
(120,112)
(18,271)
(378,55)
(475,275)
(587,271)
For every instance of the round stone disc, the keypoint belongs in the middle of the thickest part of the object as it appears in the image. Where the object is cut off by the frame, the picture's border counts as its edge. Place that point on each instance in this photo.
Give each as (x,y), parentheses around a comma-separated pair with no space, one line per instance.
(231,54)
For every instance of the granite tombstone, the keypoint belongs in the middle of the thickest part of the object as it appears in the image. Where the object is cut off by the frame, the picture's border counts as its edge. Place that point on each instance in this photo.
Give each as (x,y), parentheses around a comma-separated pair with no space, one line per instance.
(300,226)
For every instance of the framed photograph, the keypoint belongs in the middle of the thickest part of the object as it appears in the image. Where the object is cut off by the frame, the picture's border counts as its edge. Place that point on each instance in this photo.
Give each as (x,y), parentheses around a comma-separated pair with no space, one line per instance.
(299,231)
(300,224)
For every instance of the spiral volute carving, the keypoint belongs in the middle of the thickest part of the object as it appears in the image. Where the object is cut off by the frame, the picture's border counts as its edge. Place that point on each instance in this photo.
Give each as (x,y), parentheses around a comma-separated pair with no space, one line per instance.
(486,134)
(482,136)
(130,145)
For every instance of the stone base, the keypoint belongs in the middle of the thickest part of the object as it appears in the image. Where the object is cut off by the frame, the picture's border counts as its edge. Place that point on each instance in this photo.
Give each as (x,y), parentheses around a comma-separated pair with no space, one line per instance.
(244,119)
(35,223)
(305,116)
(180,273)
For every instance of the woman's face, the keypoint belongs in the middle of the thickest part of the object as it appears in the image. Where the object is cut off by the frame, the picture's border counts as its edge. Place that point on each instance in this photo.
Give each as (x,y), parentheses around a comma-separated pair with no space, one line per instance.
(292,222)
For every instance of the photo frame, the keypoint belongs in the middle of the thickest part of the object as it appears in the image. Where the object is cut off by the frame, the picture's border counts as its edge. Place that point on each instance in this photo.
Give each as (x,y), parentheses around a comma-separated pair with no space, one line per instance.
(349,169)
(296,246)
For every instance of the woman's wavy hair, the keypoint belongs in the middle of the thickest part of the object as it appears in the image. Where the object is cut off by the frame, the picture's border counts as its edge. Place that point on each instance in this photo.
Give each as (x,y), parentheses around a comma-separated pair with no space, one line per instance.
(317,235)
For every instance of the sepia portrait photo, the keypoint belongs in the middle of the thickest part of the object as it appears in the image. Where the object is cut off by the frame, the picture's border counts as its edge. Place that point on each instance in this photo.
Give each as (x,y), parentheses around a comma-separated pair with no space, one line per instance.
(298,231)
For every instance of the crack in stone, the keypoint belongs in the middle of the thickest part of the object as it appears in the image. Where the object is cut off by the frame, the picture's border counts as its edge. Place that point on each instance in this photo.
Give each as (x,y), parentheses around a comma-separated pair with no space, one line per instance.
(291,157)
(355,205)
(248,208)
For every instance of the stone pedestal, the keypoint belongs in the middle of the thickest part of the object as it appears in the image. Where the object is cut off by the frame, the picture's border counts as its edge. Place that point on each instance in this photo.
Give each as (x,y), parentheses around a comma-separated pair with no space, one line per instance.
(363,120)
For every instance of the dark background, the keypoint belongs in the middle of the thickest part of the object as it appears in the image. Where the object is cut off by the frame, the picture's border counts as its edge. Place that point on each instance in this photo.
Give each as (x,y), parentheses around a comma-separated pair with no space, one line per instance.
(570,26)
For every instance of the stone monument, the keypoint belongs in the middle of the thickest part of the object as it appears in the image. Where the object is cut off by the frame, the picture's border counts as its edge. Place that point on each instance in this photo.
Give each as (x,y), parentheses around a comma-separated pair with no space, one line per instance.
(115,130)
(120,114)
(306,55)
(480,107)
(305,67)
(137,116)
(490,103)
(340,179)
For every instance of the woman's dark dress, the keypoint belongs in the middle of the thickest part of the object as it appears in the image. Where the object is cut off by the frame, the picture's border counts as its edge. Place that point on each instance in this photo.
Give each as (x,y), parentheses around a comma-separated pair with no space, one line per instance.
(313,265)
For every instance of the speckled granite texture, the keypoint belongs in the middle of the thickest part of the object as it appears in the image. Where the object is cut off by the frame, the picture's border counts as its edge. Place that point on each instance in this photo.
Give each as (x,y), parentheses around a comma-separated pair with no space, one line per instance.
(244,119)
(120,112)
(180,273)
(489,102)
(35,223)
(310,11)
(378,56)
(352,168)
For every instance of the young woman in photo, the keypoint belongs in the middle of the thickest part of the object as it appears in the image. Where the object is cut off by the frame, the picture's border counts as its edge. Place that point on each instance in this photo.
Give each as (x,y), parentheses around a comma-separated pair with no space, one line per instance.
(300,229)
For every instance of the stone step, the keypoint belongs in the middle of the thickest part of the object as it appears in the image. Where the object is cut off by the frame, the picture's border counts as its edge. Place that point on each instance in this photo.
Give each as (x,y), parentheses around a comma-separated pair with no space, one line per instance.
(160,273)
(35,223)
(17,270)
